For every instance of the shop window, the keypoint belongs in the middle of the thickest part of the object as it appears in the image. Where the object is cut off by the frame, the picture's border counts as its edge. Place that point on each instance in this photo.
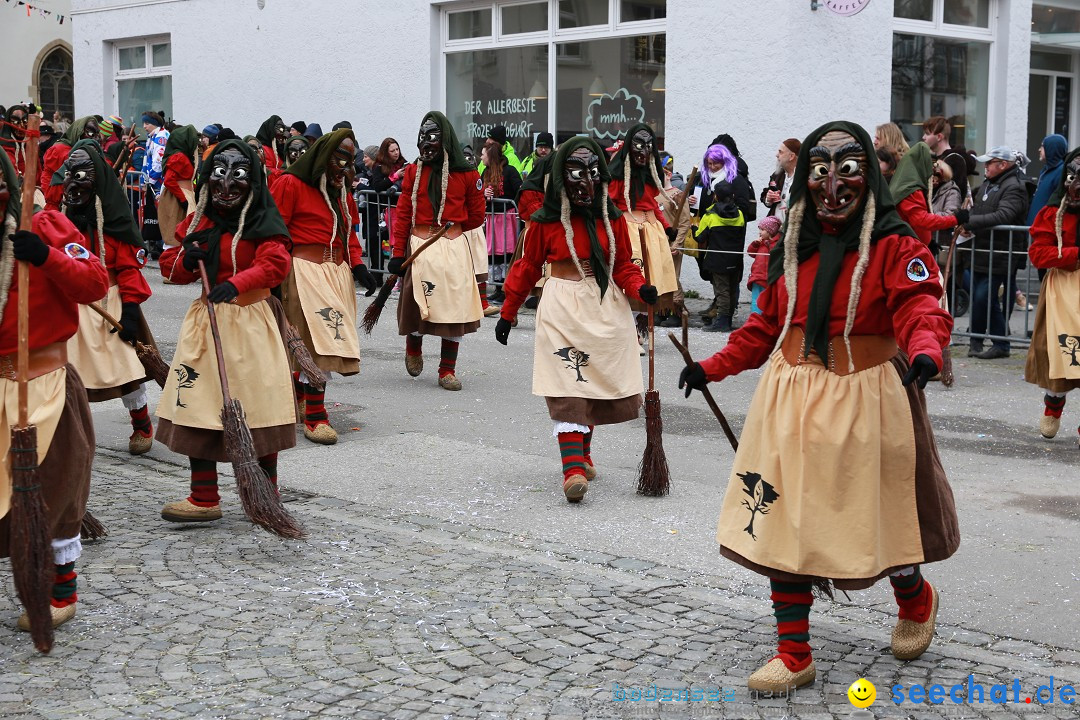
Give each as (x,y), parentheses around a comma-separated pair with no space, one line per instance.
(507,87)
(144,78)
(635,10)
(1054,20)
(936,76)
(470,24)
(582,13)
(532,17)
(1058,62)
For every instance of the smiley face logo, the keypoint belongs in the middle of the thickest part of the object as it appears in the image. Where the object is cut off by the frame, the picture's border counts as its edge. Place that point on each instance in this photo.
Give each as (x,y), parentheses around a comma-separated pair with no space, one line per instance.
(862,693)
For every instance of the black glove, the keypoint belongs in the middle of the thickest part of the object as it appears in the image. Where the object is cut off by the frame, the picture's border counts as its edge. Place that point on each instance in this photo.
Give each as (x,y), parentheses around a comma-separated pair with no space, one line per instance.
(921,370)
(692,378)
(962,216)
(502,330)
(223,292)
(394,266)
(363,276)
(29,248)
(192,256)
(672,235)
(129,321)
(648,294)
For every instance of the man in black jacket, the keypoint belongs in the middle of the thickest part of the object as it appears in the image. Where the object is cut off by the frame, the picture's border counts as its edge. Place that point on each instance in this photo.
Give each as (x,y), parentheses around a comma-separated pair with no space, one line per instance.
(995,256)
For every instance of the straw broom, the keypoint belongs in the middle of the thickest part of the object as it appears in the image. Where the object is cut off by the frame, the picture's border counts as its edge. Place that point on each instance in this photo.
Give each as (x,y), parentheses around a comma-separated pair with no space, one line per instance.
(31,547)
(374,310)
(258,496)
(685,352)
(947,377)
(654,478)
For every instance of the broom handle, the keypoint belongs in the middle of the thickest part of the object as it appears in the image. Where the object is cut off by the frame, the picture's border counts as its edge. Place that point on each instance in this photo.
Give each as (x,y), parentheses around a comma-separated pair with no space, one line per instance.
(949,258)
(708,395)
(686,193)
(652,327)
(26,222)
(108,318)
(427,243)
(215,333)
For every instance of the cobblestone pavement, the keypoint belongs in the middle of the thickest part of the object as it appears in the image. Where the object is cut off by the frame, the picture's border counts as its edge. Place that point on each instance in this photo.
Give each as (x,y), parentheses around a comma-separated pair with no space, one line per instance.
(414,616)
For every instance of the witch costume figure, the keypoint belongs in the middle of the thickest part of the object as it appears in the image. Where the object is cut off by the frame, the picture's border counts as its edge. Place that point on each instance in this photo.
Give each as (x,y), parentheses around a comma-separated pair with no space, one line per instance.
(52,182)
(177,201)
(96,203)
(237,232)
(837,477)
(585,361)
(319,295)
(635,186)
(438,294)
(1053,360)
(63,274)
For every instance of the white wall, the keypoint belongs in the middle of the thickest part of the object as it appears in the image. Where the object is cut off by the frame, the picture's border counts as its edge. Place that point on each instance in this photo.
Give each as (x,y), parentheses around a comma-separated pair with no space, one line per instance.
(23,38)
(1011,76)
(320,61)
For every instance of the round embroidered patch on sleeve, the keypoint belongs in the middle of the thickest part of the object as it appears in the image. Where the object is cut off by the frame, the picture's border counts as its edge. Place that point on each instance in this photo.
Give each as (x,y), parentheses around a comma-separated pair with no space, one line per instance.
(916,271)
(140,256)
(76,251)
(479,184)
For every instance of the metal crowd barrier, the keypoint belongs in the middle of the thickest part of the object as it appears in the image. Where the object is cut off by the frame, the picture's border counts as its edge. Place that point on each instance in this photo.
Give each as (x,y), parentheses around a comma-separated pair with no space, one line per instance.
(133,187)
(997,316)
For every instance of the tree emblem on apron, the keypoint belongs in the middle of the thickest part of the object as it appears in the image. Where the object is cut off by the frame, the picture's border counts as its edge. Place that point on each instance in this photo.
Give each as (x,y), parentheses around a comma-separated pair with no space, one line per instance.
(575,360)
(429,287)
(333,320)
(186,377)
(1070,345)
(762,493)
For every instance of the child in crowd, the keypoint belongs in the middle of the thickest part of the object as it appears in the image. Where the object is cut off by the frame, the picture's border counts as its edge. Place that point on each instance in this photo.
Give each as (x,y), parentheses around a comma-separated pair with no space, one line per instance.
(722,232)
(768,236)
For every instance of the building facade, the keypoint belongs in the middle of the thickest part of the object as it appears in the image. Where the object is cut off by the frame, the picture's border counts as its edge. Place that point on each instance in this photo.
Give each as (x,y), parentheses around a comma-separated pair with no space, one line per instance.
(1005,71)
(37,55)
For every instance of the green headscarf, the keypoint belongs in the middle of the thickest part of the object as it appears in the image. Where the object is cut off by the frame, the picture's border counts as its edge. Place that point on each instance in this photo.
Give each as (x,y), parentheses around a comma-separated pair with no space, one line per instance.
(11,179)
(182,140)
(452,148)
(262,220)
(1059,192)
(913,173)
(268,130)
(75,131)
(312,166)
(117,220)
(639,176)
(832,248)
(551,211)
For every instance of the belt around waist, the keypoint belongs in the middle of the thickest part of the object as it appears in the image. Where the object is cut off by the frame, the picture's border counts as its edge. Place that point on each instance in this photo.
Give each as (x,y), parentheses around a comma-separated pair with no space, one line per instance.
(867,351)
(641,216)
(565,269)
(251,297)
(42,361)
(319,253)
(426,231)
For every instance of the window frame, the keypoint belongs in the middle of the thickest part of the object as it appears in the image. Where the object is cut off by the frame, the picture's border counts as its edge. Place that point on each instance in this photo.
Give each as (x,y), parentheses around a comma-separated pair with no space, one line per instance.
(148,71)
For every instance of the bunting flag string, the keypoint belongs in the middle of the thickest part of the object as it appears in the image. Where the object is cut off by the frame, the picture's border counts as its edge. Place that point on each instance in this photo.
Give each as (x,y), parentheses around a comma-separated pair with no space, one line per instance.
(42,12)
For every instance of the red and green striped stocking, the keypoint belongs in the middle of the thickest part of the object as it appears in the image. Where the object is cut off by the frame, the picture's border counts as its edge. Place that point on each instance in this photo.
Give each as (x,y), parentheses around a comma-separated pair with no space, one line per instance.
(204,483)
(64,586)
(573,455)
(791,606)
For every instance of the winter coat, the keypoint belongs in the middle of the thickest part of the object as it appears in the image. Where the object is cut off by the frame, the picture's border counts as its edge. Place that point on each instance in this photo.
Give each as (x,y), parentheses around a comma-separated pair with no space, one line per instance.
(1002,200)
(723,229)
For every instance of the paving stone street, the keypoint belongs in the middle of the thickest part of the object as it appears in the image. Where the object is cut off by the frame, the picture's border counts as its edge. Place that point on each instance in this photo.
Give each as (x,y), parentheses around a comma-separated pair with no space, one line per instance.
(444,576)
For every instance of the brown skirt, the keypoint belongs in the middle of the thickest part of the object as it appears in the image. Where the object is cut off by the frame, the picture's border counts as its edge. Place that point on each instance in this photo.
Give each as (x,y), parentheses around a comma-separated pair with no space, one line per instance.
(939,530)
(210,444)
(295,313)
(587,411)
(146,338)
(65,472)
(1037,366)
(409,320)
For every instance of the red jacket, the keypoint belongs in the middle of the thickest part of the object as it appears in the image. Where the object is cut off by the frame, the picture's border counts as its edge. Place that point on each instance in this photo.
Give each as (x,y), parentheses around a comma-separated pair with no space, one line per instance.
(124,263)
(1043,250)
(308,218)
(271,158)
(890,303)
(464,204)
(546,242)
(9,148)
(645,202)
(913,211)
(529,201)
(178,167)
(55,156)
(263,263)
(57,288)
(759,270)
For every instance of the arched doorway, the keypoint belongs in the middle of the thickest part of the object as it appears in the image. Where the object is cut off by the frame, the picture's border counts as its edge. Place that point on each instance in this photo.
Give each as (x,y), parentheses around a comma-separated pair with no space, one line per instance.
(56,83)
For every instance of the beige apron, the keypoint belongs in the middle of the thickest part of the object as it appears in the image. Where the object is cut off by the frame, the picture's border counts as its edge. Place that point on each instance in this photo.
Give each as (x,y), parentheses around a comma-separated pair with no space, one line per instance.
(444,281)
(103,360)
(170,213)
(1061,293)
(46,397)
(584,348)
(328,298)
(661,266)
(823,482)
(255,365)
(478,246)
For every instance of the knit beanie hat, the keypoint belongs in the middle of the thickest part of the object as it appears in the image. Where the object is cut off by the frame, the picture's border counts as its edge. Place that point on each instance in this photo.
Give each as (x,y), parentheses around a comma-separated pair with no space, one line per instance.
(211,131)
(371,151)
(793,144)
(770,225)
(110,124)
(498,134)
(299,126)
